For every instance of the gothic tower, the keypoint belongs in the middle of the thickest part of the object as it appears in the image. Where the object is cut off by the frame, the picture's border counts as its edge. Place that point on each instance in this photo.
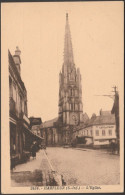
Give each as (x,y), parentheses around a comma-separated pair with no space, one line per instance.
(70,89)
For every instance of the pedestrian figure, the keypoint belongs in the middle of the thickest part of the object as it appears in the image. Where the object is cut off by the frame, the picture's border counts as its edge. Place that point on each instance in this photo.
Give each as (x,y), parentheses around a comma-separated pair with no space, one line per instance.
(117,146)
(13,153)
(34,149)
(14,149)
(113,146)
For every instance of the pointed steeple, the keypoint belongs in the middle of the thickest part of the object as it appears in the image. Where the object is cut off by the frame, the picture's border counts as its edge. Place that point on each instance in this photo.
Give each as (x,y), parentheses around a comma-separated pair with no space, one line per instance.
(68,51)
(70,89)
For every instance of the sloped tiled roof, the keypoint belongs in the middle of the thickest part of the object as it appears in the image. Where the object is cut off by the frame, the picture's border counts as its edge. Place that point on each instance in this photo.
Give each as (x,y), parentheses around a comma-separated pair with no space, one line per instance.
(103,119)
(49,123)
(105,113)
(85,117)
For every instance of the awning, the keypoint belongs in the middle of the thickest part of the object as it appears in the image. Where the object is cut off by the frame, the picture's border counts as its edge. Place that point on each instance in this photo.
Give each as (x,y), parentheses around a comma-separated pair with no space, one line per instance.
(85,136)
(31,133)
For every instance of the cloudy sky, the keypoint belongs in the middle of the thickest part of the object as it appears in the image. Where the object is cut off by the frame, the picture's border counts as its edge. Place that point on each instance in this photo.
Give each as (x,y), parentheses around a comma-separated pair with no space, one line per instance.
(97,37)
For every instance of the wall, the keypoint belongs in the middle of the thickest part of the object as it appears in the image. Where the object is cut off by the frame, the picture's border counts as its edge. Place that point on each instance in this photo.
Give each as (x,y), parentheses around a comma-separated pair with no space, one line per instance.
(52,136)
(85,132)
(106,129)
(93,137)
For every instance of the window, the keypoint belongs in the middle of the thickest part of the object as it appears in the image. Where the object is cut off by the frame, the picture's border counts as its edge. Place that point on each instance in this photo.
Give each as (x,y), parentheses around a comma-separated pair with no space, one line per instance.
(10,87)
(24,139)
(76,106)
(97,132)
(110,132)
(62,93)
(20,106)
(14,91)
(76,92)
(25,108)
(72,107)
(71,92)
(23,105)
(103,132)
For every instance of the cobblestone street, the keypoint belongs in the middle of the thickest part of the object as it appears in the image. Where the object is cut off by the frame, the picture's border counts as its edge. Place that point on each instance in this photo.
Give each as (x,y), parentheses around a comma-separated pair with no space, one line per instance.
(78,167)
(83,167)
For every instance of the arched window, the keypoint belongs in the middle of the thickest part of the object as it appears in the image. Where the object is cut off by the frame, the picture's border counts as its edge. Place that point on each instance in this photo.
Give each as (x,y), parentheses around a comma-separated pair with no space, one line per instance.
(62,93)
(14,91)
(70,92)
(10,87)
(76,92)
(69,106)
(76,106)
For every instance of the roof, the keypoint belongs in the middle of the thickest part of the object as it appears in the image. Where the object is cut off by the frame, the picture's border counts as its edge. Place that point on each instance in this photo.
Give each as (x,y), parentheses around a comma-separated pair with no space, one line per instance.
(49,123)
(103,119)
(105,112)
(85,117)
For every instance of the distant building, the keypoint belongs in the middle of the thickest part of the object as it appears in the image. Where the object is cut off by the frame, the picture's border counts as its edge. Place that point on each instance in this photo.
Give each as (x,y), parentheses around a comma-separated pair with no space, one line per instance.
(35,125)
(85,117)
(98,130)
(50,133)
(105,113)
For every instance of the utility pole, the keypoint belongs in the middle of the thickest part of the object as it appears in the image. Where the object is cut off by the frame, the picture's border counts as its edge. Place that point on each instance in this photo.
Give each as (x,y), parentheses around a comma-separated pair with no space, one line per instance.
(115,110)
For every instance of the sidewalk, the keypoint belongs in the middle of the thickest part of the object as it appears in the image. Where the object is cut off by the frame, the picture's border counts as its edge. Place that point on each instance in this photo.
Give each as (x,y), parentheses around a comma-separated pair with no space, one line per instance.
(32,172)
(37,172)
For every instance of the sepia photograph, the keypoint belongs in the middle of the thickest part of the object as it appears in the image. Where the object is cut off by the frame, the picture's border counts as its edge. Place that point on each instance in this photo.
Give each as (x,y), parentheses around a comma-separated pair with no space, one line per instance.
(62,97)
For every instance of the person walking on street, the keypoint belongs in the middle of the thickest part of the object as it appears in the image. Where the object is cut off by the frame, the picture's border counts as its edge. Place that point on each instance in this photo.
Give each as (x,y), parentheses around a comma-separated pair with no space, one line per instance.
(33,150)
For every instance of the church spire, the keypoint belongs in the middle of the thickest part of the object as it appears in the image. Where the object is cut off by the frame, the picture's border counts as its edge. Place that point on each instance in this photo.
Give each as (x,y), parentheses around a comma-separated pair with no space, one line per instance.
(70,90)
(68,51)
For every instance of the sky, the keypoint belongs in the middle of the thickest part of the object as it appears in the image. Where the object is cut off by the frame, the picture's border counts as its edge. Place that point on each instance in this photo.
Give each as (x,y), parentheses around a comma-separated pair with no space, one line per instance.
(97,38)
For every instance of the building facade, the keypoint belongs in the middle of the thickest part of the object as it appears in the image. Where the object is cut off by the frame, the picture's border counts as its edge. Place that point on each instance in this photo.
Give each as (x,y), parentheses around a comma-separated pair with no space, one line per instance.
(98,131)
(50,132)
(18,113)
(21,137)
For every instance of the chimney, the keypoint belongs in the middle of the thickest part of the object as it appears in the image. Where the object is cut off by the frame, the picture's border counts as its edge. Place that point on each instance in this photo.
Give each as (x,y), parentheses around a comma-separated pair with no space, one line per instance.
(17,59)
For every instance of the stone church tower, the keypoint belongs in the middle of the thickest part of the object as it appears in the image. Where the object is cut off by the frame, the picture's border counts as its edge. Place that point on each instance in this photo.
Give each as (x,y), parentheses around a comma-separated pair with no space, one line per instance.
(70,89)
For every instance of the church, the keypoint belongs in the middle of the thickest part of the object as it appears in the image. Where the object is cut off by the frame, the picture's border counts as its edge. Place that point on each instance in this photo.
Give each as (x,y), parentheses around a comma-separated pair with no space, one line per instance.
(70,114)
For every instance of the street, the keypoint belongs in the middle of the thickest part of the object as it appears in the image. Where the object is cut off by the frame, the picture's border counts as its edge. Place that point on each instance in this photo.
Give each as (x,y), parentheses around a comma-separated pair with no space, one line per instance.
(83,167)
(78,167)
